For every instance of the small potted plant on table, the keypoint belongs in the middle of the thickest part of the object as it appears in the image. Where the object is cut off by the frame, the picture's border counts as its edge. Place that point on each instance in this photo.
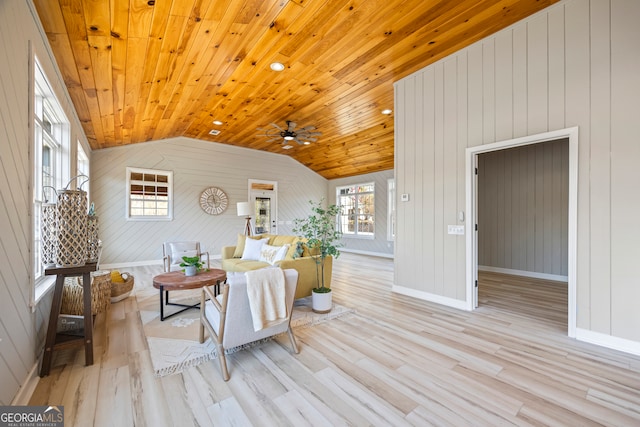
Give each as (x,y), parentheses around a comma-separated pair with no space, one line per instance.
(320,230)
(191,264)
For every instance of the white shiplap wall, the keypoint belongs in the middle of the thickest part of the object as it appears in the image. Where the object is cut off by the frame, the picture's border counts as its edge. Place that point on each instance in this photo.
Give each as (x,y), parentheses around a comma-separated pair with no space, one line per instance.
(196,165)
(21,329)
(523,202)
(379,245)
(573,64)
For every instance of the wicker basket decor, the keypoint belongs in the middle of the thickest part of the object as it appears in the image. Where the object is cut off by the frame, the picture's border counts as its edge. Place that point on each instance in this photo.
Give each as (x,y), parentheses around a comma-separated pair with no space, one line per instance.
(93,242)
(73,294)
(49,233)
(72,228)
(121,285)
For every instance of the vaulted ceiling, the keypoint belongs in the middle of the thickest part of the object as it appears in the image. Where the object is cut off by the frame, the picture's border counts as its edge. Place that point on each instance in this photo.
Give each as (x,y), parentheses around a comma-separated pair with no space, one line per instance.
(143,70)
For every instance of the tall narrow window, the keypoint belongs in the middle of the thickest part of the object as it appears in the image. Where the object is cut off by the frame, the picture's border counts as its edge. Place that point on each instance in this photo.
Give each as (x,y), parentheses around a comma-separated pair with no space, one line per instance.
(391,209)
(50,162)
(357,204)
(149,194)
(83,166)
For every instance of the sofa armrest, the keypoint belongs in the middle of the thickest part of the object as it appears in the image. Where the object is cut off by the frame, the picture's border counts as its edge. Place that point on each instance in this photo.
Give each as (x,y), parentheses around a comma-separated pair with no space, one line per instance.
(227,252)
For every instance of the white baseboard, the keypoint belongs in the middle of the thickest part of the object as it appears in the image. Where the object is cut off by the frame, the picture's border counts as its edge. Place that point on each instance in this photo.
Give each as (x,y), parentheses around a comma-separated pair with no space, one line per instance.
(140,263)
(25,392)
(359,252)
(426,296)
(604,340)
(533,274)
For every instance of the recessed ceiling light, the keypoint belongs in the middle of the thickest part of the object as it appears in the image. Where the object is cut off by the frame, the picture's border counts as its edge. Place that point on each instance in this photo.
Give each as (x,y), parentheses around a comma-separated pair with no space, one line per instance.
(387,111)
(217,122)
(307,143)
(287,147)
(277,66)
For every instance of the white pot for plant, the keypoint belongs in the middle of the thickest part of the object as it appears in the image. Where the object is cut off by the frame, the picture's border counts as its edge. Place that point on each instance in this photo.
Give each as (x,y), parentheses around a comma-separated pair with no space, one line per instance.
(190,270)
(321,301)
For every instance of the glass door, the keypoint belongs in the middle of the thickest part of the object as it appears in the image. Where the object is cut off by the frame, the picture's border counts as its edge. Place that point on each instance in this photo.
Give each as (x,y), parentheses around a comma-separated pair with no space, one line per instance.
(263,197)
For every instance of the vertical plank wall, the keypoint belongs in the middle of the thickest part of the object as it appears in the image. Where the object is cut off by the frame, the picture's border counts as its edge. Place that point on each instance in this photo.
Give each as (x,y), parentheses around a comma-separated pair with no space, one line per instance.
(21,329)
(523,202)
(196,165)
(573,64)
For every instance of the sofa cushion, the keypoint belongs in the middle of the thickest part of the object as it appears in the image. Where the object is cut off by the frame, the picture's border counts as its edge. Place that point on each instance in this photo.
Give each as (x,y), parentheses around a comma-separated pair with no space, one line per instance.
(239,265)
(252,249)
(272,254)
(240,244)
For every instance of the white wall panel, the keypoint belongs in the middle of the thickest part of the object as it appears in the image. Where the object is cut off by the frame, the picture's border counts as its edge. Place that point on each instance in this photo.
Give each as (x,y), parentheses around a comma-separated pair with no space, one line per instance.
(21,329)
(625,158)
(573,64)
(196,165)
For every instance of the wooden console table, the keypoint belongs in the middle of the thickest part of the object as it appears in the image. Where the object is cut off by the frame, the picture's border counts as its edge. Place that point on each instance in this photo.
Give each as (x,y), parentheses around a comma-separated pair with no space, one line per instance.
(56,341)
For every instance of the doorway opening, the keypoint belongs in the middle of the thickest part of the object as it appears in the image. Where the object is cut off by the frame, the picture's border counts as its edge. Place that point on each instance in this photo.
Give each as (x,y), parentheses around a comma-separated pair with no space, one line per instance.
(472,206)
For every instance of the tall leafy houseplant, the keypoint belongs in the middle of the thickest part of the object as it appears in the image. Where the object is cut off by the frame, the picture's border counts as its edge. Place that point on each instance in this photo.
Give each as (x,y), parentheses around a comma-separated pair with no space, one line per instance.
(323,237)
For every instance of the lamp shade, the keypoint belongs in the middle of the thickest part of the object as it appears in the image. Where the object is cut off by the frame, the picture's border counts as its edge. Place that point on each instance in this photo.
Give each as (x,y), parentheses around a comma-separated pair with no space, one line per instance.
(244,209)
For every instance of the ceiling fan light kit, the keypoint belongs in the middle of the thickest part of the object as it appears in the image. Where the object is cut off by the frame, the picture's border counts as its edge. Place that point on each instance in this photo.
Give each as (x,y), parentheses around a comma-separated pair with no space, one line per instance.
(303,136)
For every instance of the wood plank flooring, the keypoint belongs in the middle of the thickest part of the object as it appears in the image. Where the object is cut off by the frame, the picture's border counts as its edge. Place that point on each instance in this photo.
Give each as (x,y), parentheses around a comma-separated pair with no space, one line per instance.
(397,361)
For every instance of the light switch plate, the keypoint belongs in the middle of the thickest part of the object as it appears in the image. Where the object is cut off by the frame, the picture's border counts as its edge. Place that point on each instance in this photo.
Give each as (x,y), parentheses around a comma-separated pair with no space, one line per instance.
(455,229)
(404,197)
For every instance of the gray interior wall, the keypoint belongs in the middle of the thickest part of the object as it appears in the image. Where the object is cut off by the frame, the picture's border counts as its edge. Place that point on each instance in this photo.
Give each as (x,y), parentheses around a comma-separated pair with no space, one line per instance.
(573,64)
(523,204)
(196,165)
(22,330)
(380,244)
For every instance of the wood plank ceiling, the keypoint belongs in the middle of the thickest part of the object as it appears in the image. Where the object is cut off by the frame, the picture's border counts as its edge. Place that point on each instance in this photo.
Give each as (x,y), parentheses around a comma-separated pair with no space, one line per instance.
(143,70)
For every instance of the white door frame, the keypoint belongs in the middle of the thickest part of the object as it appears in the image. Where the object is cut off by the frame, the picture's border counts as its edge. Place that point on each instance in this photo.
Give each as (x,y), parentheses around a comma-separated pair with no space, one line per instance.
(471,154)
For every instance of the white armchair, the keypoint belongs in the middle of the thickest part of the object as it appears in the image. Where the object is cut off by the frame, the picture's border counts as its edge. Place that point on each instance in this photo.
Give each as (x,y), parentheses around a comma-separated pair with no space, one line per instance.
(172,253)
(227,316)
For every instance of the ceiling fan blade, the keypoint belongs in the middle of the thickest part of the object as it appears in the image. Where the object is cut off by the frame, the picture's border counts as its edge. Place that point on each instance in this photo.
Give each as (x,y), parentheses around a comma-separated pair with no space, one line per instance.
(307,128)
(274,139)
(292,126)
(277,127)
(310,139)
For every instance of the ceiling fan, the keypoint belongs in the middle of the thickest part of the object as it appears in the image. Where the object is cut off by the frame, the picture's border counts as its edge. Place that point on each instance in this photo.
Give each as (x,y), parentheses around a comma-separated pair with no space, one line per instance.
(303,136)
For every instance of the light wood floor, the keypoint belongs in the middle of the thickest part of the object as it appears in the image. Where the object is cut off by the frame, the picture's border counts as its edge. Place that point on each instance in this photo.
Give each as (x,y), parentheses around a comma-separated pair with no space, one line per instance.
(396,361)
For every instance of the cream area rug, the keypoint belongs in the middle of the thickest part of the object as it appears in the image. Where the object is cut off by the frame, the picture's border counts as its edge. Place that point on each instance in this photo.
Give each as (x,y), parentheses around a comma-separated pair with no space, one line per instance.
(173,343)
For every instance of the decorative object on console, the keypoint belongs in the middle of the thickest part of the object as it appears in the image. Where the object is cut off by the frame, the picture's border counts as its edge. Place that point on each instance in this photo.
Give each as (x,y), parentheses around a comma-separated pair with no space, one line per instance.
(244,209)
(213,201)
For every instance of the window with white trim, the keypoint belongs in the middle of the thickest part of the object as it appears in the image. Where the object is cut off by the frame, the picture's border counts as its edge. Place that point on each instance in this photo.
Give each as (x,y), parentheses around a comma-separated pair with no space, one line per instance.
(149,194)
(357,203)
(83,167)
(50,162)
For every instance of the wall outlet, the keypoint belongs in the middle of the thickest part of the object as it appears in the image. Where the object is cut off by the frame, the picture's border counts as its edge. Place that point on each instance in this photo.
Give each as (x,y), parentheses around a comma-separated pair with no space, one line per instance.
(455,229)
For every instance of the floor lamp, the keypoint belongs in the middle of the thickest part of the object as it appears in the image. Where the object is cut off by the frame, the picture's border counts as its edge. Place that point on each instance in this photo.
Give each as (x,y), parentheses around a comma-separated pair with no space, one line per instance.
(244,209)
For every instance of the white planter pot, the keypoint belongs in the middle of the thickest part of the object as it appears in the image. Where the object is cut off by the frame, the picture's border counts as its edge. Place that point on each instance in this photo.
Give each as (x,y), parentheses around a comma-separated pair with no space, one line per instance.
(321,302)
(190,270)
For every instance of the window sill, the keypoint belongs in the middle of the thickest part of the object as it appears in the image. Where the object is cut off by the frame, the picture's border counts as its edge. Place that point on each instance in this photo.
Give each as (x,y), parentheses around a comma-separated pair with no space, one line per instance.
(358,237)
(43,288)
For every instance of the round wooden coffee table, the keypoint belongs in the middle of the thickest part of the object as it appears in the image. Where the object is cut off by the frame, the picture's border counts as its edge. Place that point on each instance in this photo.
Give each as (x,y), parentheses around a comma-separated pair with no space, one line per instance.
(177,281)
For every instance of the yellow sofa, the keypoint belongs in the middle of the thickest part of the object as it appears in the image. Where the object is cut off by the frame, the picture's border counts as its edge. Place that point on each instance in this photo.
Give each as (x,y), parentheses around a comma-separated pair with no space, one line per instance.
(305,265)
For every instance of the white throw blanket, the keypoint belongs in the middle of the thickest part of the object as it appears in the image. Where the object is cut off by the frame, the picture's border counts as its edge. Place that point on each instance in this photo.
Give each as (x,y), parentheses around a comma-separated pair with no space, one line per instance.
(267,297)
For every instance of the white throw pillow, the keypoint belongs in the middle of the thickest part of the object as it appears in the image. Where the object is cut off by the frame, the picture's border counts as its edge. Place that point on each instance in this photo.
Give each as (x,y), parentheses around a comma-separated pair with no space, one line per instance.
(272,254)
(252,249)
